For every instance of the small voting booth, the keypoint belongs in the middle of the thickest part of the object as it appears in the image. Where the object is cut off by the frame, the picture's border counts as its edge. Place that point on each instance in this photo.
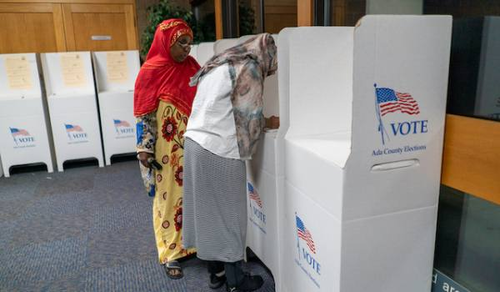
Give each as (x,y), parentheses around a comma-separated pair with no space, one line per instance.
(265,175)
(204,52)
(71,97)
(116,72)
(24,137)
(362,153)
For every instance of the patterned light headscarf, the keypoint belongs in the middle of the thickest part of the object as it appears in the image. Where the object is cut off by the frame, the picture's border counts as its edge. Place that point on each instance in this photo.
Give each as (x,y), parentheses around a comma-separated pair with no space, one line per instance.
(260,48)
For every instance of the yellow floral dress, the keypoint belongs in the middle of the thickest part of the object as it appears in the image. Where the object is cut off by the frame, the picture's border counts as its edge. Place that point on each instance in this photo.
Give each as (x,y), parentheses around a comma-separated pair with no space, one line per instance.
(161,133)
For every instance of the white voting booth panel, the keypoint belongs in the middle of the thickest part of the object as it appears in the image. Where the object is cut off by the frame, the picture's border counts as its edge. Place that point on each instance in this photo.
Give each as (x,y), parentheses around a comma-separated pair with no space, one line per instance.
(224,44)
(264,183)
(245,38)
(71,97)
(23,130)
(363,153)
(204,52)
(115,75)
(194,52)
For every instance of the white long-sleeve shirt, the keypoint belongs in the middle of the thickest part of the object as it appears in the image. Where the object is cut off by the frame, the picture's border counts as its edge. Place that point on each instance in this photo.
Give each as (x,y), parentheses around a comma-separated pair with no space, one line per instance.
(211,123)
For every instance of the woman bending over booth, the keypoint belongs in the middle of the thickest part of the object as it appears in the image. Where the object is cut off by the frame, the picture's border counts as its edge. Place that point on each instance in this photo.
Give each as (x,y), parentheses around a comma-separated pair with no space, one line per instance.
(223,131)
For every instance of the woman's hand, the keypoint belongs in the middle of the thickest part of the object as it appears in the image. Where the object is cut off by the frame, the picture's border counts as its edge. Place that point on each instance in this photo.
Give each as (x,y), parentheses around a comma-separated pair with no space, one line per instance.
(143,158)
(273,122)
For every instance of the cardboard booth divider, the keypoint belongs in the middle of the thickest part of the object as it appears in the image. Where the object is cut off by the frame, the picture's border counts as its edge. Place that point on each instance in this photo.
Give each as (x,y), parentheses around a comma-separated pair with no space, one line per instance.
(363,153)
(116,72)
(264,184)
(69,82)
(224,44)
(194,52)
(204,52)
(24,137)
(245,38)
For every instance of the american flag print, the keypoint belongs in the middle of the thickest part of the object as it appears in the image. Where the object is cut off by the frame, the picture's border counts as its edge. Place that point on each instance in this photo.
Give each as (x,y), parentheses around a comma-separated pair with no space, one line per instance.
(304,234)
(252,193)
(73,128)
(390,101)
(18,132)
(120,123)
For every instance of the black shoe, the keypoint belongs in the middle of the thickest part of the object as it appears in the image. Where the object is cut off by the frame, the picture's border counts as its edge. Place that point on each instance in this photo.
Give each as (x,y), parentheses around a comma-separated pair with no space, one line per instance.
(216,282)
(250,283)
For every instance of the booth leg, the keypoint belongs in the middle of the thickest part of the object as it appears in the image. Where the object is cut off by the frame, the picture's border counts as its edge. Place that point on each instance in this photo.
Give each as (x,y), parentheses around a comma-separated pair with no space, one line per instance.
(101,162)
(6,170)
(50,167)
(60,167)
(108,160)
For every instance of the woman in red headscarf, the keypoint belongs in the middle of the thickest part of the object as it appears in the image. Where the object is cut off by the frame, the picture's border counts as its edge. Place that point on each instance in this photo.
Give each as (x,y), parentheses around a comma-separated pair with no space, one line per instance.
(162,104)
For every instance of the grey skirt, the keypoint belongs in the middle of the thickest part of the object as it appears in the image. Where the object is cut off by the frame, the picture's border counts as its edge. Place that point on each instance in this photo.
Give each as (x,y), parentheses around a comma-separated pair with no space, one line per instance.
(214,204)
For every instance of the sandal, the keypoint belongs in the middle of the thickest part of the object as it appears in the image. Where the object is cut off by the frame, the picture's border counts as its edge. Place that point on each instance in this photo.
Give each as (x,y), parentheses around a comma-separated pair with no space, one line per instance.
(173,270)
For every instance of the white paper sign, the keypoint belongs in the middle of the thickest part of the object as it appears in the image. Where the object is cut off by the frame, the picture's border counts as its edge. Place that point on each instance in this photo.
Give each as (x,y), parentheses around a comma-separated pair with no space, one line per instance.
(73,71)
(18,72)
(117,67)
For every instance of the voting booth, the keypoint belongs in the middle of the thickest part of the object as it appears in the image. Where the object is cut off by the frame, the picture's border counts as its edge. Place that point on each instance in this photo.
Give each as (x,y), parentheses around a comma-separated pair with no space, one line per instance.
(24,137)
(363,153)
(265,175)
(204,51)
(116,72)
(72,104)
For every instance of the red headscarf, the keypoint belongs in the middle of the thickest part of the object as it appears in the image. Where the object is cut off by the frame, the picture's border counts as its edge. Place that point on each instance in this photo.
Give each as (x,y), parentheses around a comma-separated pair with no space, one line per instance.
(161,77)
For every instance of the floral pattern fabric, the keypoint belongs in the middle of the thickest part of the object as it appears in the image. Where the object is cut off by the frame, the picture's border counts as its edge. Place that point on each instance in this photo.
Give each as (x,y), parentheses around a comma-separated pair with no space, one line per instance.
(168,149)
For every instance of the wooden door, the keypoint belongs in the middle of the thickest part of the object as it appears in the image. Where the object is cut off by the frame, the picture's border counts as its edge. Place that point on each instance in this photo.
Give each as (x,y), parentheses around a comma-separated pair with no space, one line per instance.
(100,27)
(279,15)
(31,27)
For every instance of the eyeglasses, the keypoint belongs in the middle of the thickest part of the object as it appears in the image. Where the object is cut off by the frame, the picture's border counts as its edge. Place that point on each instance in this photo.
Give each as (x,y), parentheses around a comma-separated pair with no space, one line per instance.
(184,44)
